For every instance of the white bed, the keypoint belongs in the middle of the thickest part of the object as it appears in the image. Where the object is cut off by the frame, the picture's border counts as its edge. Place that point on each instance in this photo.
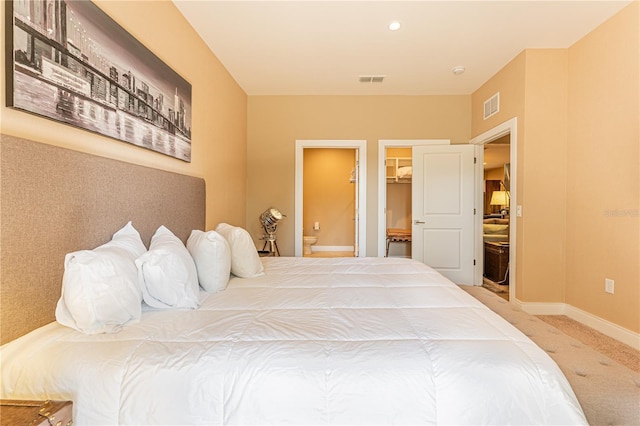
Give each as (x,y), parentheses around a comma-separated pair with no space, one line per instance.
(312,341)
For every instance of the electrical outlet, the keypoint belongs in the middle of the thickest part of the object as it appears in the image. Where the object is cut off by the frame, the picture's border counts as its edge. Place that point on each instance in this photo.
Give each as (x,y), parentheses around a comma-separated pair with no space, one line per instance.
(608,285)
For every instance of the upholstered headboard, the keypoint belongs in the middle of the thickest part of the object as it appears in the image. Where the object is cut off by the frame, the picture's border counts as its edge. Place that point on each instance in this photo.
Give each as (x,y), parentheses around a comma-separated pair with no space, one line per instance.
(55,200)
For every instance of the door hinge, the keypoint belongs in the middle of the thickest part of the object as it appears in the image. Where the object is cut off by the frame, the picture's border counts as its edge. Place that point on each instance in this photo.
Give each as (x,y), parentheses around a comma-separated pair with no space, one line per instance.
(474,212)
(475,160)
(474,262)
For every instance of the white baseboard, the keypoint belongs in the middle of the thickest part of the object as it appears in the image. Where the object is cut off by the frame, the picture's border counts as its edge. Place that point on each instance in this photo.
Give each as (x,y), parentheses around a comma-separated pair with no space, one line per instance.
(332,248)
(608,328)
(622,334)
(539,308)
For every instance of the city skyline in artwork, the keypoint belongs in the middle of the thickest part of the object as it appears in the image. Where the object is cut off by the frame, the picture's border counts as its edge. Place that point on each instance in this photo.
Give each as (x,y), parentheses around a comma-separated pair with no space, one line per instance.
(74,64)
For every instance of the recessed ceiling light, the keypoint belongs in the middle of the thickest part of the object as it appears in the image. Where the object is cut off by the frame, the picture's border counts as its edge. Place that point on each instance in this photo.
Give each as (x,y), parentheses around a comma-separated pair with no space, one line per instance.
(457,70)
(394,26)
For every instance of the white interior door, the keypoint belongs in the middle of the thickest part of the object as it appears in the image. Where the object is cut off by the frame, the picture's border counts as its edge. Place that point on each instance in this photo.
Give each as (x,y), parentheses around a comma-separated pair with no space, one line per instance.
(443,210)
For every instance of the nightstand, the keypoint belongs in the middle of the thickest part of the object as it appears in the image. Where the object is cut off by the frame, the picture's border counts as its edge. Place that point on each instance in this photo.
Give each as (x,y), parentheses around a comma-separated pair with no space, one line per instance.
(35,413)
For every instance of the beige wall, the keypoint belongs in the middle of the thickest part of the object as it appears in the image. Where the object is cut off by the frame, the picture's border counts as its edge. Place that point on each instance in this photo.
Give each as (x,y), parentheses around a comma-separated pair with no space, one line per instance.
(494,174)
(329,196)
(544,154)
(399,205)
(276,122)
(510,82)
(399,215)
(603,163)
(535,82)
(577,168)
(218,104)
(399,152)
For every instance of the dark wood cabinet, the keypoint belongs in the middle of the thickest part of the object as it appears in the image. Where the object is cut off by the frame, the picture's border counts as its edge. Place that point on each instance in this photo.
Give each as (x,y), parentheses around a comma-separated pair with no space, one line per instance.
(496,261)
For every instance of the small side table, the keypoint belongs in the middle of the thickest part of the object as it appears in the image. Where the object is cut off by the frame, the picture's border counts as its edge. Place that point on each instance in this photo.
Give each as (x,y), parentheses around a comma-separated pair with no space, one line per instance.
(36,413)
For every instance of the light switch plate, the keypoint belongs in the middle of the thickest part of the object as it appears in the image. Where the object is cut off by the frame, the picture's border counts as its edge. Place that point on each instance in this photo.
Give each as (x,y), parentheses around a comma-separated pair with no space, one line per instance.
(609,285)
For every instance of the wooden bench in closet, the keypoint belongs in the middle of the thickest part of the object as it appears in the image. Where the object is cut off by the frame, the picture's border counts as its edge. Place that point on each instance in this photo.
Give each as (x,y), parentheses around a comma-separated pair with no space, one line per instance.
(397,235)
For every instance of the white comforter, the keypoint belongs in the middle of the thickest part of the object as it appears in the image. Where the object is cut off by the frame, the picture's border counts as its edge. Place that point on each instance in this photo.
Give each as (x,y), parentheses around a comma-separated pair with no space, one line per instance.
(313,341)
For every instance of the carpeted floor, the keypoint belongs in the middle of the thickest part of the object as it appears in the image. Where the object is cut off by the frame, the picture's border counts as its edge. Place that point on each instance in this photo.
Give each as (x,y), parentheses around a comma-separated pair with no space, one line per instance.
(618,351)
(614,349)
(607,389)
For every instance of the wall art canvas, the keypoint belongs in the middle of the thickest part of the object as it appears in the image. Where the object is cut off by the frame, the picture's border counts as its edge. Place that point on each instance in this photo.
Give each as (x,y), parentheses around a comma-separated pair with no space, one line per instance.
(72,63)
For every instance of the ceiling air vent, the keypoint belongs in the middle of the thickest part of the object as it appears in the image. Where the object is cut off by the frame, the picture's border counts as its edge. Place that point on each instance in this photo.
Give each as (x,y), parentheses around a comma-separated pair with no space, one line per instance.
(371,78)
(492,106)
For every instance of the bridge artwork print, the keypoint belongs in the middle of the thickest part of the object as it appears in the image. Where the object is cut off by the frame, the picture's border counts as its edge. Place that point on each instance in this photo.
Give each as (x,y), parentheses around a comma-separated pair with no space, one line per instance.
(72,63)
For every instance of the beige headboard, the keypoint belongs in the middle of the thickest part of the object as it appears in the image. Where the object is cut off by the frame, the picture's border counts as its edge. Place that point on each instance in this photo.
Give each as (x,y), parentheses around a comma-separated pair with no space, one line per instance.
(54,201)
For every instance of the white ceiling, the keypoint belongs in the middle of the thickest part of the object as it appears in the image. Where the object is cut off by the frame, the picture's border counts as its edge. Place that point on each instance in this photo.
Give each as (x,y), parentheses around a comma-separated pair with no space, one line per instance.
(322,47)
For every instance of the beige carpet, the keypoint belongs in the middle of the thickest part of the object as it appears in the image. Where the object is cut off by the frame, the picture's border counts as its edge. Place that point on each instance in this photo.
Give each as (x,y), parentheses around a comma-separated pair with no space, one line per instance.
(614,349)
(608,391)
(618,351)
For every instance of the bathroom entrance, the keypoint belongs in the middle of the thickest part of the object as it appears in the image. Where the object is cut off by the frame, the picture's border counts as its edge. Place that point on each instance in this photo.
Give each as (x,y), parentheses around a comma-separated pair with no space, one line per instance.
(329,192)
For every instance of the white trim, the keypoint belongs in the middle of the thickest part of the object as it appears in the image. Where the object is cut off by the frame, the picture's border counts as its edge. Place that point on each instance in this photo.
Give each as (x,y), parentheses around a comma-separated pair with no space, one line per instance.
(541,308)
(361,148)
(383,144)
(315,248)
(621,334)
(608,328)
(478,233)
(509,127)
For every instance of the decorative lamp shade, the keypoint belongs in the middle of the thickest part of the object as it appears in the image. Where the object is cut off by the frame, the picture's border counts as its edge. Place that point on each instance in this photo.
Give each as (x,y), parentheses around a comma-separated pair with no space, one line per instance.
(500,198)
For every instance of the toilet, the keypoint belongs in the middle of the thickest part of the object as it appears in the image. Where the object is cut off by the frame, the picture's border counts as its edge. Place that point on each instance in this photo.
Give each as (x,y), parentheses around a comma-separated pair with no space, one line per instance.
(308,241)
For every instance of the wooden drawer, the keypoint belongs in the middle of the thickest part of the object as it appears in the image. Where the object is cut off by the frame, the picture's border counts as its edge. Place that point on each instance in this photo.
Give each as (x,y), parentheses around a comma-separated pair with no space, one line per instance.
(35,413)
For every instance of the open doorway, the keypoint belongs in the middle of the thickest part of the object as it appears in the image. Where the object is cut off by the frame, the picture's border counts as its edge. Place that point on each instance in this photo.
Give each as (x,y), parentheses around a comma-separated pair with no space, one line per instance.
(496,216)
(329,202)
(398,167)
(325,234)
(393,185)
(505,252)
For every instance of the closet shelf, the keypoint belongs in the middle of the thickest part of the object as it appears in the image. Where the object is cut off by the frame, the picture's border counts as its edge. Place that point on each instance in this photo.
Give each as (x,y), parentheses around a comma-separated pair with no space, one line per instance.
(398,169)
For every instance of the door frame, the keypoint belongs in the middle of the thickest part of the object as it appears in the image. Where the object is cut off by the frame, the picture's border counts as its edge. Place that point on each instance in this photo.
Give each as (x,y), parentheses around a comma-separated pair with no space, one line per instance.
(509,127)
(383,144)
(361,157)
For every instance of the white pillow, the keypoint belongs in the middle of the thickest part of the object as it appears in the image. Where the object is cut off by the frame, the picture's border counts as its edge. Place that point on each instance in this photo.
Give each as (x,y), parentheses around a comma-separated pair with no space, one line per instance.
(100,291)
(167,273)
(212,256)
(245,262)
